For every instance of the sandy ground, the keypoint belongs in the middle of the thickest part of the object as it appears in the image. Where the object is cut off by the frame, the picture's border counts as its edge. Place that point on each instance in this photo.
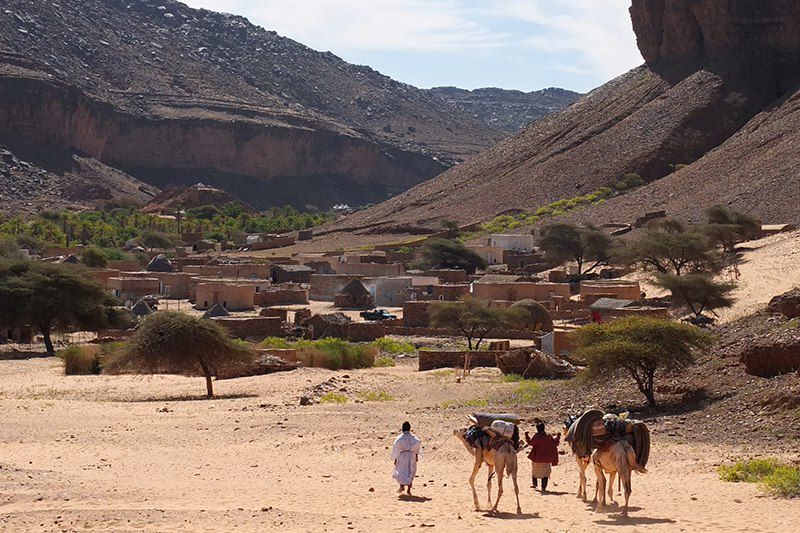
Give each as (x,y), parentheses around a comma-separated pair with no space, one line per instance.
(120,453)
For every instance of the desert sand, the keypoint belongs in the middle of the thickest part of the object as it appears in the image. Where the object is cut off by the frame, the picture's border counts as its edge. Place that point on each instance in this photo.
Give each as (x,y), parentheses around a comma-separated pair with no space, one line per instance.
(124,453)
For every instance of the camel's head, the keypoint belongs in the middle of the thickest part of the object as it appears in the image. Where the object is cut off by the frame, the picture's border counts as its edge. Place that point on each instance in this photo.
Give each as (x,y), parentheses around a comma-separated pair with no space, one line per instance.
(460,432)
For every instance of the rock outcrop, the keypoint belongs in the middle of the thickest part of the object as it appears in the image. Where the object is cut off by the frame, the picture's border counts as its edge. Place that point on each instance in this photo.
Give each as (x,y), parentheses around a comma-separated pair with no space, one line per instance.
(712,118)
(787,304)
(172,95)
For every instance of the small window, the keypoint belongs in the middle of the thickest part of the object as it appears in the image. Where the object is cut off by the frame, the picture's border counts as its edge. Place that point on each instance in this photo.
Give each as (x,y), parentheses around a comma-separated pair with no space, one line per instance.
(205,304)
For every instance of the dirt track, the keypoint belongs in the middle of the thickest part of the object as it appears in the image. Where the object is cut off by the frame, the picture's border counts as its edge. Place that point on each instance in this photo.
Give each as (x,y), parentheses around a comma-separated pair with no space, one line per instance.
(129,453)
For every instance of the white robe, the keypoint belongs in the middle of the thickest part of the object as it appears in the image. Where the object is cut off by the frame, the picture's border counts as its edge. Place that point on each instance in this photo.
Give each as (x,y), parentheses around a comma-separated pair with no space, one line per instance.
(407,447)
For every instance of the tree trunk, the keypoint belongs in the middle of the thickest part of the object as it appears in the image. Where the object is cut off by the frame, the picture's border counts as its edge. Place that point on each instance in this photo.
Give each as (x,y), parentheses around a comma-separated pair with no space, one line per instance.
(48,342)
(207,374)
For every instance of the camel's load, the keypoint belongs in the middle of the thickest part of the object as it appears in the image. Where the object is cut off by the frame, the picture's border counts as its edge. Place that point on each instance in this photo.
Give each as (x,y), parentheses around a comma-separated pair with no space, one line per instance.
(531,364)
(488,429)
(594,430)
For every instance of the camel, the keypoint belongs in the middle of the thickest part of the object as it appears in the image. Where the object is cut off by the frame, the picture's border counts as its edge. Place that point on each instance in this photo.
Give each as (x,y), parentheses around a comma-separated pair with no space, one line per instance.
(618,458)
(583,462)
(500,461)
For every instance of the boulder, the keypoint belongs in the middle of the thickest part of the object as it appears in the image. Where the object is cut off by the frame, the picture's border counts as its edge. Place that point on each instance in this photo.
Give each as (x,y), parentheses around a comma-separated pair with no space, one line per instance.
(771,358)
(787,304)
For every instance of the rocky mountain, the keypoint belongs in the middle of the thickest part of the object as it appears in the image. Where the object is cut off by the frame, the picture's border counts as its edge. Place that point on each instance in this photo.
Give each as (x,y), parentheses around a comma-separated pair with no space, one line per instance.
(508,110)
(171,96)
(718,99)
(198,195)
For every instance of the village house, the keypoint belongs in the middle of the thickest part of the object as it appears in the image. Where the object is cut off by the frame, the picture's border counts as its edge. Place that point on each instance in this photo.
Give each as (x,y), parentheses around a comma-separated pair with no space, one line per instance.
(325,287)
(102,275)
(389,292)
(291,274)
(592,290)
(493,255)
(285,294)
(372,270)
(607,309)
(354,296)
(262,241)
(132,289)
(232,296)
(230,270)
(172,285)
(496,288)
(520,243)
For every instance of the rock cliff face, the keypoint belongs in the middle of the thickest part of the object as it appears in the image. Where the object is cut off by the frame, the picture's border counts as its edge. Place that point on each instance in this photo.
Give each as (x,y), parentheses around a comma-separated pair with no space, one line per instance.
(674,30)
(718,98)
(172,95)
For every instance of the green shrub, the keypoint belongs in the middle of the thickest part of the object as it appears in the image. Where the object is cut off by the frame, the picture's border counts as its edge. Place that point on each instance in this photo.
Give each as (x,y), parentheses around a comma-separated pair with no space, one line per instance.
(527,391)
(334,397)
(393,347)
(335,354)
(82,360)
(275,343)
(775,477)
(375,396)
(384,361)
(512,378)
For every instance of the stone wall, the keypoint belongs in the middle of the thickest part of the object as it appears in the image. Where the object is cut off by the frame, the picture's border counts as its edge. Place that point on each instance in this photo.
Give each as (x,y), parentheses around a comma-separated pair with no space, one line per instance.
(430,360)
(279,296)
(254,328)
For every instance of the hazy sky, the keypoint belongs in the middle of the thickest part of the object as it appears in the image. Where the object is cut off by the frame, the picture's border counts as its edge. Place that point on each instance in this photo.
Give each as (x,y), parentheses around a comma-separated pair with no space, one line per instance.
(515,44)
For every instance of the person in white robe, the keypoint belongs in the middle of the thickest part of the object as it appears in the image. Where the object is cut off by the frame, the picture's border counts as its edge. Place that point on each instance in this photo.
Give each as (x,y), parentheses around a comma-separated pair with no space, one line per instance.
(405,454)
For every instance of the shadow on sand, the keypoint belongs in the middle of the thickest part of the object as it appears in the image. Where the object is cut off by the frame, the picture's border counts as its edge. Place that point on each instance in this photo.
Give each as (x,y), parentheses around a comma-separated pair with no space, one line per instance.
(413,499)
(187,398)
(511,516)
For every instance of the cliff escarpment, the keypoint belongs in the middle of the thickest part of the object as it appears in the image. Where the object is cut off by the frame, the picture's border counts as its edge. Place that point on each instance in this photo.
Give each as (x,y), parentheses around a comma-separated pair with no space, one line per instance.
(710,118)
(172,95)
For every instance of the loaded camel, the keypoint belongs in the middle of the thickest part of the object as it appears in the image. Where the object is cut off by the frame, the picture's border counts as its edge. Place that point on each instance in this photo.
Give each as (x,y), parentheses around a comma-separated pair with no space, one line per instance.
(616,446)
(500,460)
(583,460)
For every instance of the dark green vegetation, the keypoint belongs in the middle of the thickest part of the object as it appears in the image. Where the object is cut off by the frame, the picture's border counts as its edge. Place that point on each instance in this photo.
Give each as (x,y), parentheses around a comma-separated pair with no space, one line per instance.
(775,477)
(176,343)
(52,296)
(330,353)
(474,319)
(588,247)
(112,228)
(640,346)
(441,253)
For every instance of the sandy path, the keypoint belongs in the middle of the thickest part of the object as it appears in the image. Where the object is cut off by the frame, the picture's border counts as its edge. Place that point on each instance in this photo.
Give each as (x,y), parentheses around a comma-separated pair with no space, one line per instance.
(86,453)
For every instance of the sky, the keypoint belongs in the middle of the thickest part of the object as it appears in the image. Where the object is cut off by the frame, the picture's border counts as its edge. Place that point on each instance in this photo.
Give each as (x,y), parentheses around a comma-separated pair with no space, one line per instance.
(513,44)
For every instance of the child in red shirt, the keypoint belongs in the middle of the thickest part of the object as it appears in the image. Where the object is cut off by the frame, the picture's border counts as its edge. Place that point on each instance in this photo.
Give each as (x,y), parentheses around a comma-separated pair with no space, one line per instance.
(543,455)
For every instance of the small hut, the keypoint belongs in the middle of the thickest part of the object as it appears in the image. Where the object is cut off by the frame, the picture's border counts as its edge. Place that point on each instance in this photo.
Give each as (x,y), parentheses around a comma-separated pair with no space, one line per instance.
(160,263)
(354,296)
(218,310)
(141,309)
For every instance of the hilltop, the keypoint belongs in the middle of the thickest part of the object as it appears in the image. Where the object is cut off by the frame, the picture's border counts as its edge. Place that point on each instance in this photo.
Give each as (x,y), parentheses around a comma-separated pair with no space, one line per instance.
(508,110)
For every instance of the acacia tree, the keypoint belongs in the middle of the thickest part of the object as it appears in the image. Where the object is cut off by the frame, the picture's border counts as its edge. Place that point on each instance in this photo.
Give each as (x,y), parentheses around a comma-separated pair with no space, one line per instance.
(641,346)
(670,247)
(442,253)
(50,296)
(567,242)
(177,343)
(698,292)
(92,257)
(473,318)
(728,228)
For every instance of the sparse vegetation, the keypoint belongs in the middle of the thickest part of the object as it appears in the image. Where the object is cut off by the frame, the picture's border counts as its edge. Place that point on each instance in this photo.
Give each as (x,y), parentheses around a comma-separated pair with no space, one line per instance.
(92,257)
(334,397)
(728,228)
(335,354)
(526,392)
(384,361)
(474,319)
(81,360)
(275,343)
(391,346)
(775,477)
(375,396)
(698,292)
(441,253)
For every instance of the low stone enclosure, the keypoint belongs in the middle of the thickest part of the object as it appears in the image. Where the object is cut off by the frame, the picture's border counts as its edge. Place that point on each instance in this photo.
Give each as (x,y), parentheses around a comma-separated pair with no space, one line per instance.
(432,360)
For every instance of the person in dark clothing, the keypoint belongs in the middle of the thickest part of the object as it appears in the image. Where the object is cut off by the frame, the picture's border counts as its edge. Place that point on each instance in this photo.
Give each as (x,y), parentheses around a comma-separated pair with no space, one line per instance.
(543,455)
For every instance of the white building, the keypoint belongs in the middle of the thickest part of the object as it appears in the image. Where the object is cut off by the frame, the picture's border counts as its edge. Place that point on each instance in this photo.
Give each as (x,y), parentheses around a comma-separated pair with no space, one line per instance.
(521,243)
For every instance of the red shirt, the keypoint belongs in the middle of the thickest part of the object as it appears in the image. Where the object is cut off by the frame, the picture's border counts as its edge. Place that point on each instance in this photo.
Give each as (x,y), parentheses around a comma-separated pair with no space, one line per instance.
(544,448)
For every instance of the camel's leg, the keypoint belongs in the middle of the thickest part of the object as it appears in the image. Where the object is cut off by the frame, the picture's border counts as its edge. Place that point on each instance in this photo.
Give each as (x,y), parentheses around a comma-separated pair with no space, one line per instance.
(582,466)
(516,489)
(611,477)
(475,469)
(489,486)
(500,469)
(626,482)
(600,491)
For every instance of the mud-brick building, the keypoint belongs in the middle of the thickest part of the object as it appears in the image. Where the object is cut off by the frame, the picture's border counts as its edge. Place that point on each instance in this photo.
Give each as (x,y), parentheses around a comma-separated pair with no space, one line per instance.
(232,296)
(133,289)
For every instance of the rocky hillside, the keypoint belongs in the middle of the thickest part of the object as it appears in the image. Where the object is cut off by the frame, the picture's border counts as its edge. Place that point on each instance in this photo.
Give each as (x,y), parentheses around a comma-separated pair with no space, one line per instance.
(172,95)
(717,99)
(508,110)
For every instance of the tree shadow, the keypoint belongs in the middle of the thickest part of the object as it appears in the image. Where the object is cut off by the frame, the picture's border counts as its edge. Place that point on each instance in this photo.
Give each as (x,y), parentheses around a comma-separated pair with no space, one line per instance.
(413,499)
(185,398)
